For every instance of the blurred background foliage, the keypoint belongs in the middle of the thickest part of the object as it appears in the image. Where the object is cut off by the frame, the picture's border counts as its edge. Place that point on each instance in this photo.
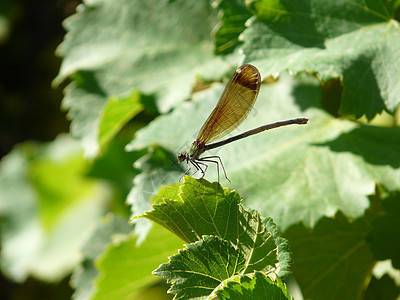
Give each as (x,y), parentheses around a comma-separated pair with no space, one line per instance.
(30,116)
(29,107)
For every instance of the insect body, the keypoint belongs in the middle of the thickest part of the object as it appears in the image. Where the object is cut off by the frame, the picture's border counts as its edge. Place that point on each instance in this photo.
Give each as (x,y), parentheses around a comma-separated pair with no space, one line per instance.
(233,107)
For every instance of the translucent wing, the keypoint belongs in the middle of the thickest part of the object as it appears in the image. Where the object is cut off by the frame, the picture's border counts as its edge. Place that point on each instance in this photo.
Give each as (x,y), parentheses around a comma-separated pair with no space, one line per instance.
(233,107)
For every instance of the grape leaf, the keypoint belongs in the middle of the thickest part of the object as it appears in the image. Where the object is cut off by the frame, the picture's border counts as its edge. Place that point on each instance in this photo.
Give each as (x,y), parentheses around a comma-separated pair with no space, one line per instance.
(330,256)
(385,229)
(254,286)
(353,40)
(284,257)
(125,268)
(107,230)
(157,172)
(383,288)
(115,167)
(47,203)
(156,47)
(314,169)
(385,267)
(201,267)
(207,209)
(232,18)
(115,114)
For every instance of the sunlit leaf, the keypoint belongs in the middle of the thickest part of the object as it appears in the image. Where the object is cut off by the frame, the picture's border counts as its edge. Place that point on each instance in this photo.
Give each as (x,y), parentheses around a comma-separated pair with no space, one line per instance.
(125,267)
(109,229)
(201,267)
(352,40)
(115,114)
(296,173)
(113,48)
(48,205)
(254,286)
(207,209)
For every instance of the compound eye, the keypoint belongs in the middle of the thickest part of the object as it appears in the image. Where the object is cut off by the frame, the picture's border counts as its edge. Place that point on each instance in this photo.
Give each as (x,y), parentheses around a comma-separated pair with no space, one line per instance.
(181,157)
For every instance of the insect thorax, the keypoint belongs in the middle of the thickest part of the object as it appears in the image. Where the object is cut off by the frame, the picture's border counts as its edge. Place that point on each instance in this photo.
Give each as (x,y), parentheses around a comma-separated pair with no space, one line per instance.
(196,150)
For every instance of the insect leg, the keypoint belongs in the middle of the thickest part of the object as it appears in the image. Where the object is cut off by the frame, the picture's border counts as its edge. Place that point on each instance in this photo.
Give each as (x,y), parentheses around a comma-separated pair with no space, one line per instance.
(187,171)
(198,168)
(207,158)
(197,164)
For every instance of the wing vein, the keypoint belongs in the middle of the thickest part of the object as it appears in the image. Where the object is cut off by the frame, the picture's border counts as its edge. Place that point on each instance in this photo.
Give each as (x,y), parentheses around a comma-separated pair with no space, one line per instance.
(233,107)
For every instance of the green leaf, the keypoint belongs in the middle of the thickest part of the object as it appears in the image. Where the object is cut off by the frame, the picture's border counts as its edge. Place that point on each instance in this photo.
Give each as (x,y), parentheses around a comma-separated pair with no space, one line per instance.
(59,185)
(383,288)
(157,172)
(125,268)
(284,256)
(385,267)
(385,229)
(47,203)
(353,40)
(313,169)
(115,114)
(109,229)
(254,286)
(232,18)
(330,256)
(115,167)
(170,191)
(202,266)
(207,209)
(156,47)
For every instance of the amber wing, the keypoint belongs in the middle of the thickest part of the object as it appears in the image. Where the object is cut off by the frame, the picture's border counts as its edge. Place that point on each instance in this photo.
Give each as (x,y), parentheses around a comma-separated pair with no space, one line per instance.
(235,104)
